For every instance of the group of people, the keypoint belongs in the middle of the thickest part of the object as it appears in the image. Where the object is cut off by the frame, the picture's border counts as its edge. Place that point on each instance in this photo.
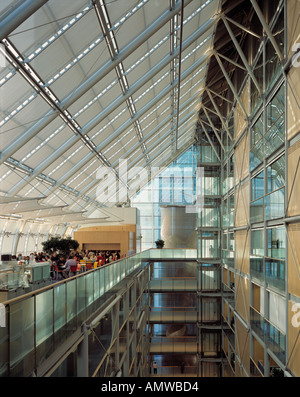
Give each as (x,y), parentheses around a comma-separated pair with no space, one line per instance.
(65,264)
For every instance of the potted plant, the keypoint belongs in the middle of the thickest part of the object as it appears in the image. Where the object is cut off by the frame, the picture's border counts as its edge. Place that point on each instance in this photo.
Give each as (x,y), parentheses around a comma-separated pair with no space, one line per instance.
(159,243)
(63,246)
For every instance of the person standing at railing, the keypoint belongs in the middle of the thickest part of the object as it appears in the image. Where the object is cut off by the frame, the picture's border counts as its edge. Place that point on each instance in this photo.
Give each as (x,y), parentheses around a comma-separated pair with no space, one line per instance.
(71,262)
(154,367)
(101,259)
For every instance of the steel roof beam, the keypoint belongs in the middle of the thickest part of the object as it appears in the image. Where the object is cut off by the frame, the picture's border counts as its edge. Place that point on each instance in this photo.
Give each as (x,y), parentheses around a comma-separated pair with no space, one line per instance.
(232,61)
(71,141)
(209,140)
(150,104)
(219,114)
(79,165)
(230,84)
(148,76)
(168,161)
(90,82)
(122,55)
(220,96)
(213,128)
(139,114)
(112,45)
(243,27)
(159,141)
(17,14)
(94,183)
(267,29)
(241,54)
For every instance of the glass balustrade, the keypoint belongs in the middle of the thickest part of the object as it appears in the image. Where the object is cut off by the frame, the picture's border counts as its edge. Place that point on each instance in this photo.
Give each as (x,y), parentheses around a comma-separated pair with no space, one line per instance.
(39,322)
(274,338)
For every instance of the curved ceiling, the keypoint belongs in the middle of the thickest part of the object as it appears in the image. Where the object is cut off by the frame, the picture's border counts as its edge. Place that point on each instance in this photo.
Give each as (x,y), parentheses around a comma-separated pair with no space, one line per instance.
(96,96)
(92,88)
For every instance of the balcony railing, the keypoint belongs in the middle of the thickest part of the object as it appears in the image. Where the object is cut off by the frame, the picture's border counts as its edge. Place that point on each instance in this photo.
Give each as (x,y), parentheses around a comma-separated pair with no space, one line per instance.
(274,339)
(272,269)
(39,322)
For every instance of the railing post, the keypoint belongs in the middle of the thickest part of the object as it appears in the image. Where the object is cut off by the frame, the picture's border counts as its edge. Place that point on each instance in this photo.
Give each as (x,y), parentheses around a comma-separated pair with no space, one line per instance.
(83,355)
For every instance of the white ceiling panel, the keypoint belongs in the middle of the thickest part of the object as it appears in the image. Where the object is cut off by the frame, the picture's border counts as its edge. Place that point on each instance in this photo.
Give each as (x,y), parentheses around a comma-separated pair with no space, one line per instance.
(109,84)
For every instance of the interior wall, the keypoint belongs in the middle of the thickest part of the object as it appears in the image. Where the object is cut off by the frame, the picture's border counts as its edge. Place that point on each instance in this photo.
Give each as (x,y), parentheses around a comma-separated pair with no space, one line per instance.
(242,260)
(294,340)
(293,182)
(242,297)
(242,200)
(240,117)
(109,236)
(294,259)
(242,159)
(293,230)
(293,102)
(242,348)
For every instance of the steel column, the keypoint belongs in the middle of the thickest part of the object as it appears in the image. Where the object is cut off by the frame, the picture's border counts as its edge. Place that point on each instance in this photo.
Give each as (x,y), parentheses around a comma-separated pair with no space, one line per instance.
(241,54)
(83,354)
(267,28)
(219,114)
(230,83)
(209,140)
(213,128)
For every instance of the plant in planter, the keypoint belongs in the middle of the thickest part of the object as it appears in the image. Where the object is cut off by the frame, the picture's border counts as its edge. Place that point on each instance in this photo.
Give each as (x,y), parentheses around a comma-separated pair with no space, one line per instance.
(63,246)
(159,243)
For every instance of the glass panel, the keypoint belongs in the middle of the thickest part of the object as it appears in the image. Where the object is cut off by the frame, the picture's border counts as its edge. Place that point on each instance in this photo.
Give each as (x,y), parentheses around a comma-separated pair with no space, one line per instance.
(207,154)
(276,243)
(209,217)
(71,303)
(256,155)
(102,279)
(44,316)
(257,267)
(257,211)
(258,186)
(209,246)
(210,280)
(275,204)
(259,74)
(273,65)
(257,322)
(276,175)
(80,296)
(22,337)
(275,273)
(44,326)
(4,353)
(97,284)
(59,294)
(275,123)
(257,131)
(108,278)
(257,242)
(90,288)
(275,340)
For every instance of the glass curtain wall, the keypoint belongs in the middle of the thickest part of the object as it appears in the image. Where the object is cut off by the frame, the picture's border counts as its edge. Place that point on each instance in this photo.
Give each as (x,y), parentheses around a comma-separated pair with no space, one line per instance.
(176,184)
(254,245)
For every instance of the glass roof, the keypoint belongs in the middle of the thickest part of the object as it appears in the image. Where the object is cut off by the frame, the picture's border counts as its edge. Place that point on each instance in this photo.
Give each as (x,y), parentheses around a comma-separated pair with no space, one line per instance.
(86,85)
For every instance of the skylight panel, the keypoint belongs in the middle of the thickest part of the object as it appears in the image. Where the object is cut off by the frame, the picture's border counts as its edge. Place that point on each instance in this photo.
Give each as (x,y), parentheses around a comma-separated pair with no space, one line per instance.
(55,36)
